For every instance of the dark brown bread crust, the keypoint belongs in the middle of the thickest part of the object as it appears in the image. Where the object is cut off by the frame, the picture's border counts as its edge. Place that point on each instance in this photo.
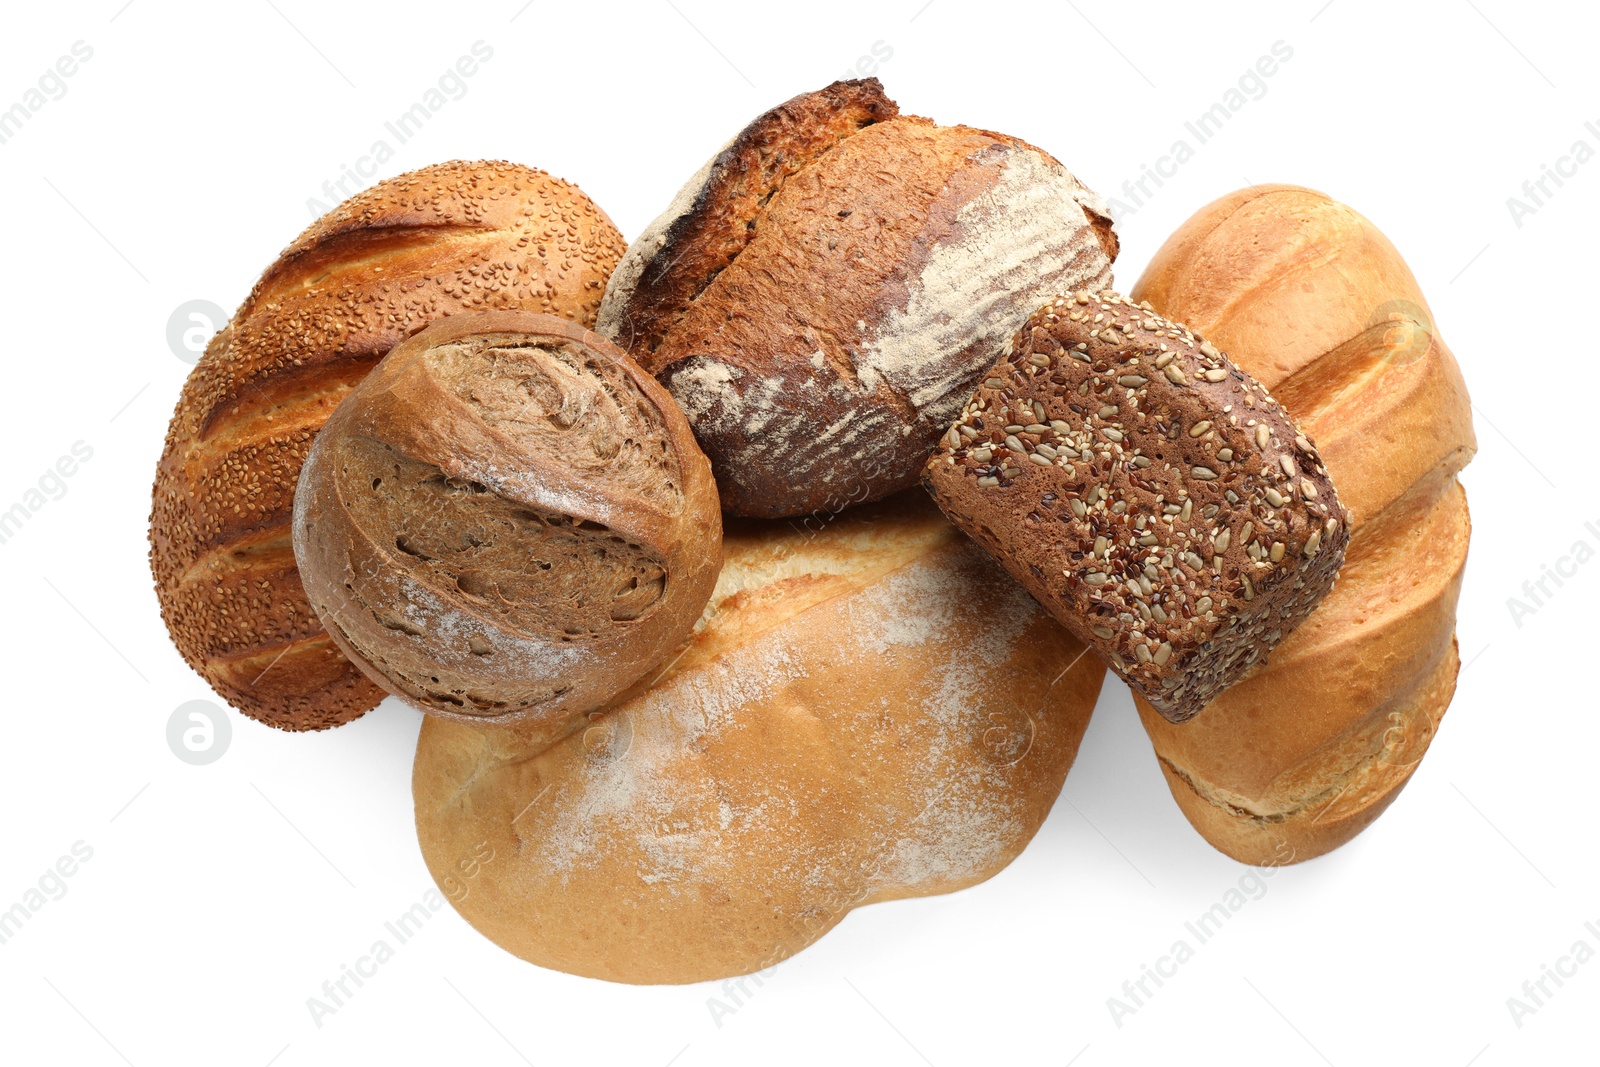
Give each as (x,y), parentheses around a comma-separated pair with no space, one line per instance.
(676,263)
(1148,492)
(507,521)
(441,240)
(821,335)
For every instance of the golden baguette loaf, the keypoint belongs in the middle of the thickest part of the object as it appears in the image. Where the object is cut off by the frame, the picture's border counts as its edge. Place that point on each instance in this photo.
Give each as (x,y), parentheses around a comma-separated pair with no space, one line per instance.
(1308,296)
(378,268)
(871,712)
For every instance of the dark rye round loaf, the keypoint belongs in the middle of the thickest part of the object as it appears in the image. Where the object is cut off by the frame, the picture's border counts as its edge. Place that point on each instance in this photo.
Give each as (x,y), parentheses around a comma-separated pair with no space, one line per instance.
(508,520)
(445,239)
(1152,495)
(823,295)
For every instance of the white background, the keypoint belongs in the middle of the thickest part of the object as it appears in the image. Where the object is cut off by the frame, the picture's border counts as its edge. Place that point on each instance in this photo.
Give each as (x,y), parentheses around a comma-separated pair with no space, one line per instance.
(219,898)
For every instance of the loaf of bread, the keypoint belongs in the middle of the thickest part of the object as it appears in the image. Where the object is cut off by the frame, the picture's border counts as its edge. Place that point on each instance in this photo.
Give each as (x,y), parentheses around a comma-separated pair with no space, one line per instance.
(448,238)
(869,712)
(1154,497)
(1308,296)
(824,294)
(507,519)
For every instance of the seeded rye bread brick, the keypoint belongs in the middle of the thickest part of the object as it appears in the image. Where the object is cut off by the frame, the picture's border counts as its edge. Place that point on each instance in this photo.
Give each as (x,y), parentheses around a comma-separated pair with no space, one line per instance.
(1148,492)
(823,295)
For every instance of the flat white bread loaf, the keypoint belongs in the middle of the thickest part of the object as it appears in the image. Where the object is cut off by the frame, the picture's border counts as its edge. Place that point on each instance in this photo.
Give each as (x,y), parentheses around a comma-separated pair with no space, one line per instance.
(1312,299)
(868,712)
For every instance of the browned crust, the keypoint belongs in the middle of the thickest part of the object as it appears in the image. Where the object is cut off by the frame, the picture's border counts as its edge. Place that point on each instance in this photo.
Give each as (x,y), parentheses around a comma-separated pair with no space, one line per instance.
(742,179)
(1312,298)
(806,415)
(449,238)
(402,617)
(1153,496)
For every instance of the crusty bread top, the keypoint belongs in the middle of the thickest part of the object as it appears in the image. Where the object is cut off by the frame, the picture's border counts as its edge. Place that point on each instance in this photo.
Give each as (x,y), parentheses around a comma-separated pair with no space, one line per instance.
(713,217)
(509,518)
(1311,261)
(882,280)
(448,238)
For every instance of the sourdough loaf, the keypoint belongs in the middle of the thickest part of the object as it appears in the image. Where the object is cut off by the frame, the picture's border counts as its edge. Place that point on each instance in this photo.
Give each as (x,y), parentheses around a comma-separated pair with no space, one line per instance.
(449,238)
(823,295)
(1308,296)
(507,519)
(868,712)
(1155,498)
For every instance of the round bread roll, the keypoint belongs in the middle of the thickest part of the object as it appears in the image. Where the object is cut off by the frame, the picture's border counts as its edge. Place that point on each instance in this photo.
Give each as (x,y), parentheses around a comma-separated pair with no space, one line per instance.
(867,712)
(507,520)
(445,239)
(1308,296)
(824,294)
